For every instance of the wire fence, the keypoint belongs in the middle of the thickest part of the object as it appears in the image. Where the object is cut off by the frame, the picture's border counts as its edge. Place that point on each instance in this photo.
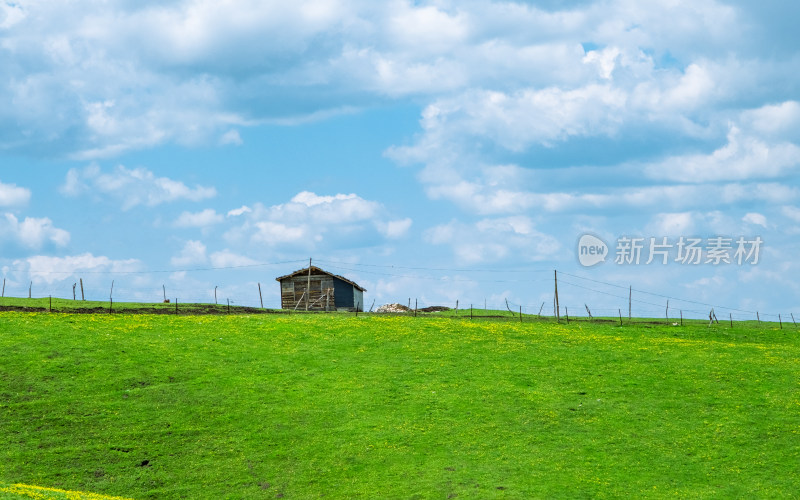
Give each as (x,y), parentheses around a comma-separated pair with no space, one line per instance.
(566,296)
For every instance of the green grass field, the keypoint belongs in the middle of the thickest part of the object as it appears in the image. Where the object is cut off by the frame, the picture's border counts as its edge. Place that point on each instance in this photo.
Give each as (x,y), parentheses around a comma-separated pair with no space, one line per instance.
(305,406)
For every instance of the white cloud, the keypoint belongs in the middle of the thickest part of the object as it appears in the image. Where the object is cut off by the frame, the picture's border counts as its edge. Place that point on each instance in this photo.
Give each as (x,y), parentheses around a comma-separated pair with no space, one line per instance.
(517,120)
(755,218)
(774,120)
(672,224)
(307,207)
(629,93)
(394,228)
(193,252)
(309,219)
(273,233)
(231,137)
(227,258)
(53,269)
(742,158)
(10,14)
(205,218)
(791,212)
(32,232)
(103,84)
(12,195)
(426,28)
(489,240)
(244,209)
(697,223)
(340,208)
(131,187)
(492,194)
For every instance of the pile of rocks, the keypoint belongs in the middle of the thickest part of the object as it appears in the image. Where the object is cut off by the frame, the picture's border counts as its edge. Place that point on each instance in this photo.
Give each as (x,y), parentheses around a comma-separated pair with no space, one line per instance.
(433,309)
(392,308)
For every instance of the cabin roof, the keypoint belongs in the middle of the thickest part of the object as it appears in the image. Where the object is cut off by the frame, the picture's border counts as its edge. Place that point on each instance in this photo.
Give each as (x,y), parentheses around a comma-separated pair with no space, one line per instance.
(316,270)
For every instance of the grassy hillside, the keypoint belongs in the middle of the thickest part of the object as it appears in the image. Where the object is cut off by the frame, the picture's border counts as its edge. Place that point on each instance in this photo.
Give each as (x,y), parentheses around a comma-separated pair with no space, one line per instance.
(303,406)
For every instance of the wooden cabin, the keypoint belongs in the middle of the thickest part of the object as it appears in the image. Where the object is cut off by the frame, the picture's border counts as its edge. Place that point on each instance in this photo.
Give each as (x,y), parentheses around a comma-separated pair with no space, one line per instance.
(320,291)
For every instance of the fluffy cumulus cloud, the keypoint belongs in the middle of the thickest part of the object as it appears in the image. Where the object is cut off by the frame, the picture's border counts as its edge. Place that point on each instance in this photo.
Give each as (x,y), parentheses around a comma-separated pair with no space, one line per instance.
(193,252)
(31,232)
(703,224)
(12,195)
(228,259)
(94,79)
(309,219)
(755,219)
(47,269)
(741,158)
(495,239)
(791,212)
(132,187)
(204,218)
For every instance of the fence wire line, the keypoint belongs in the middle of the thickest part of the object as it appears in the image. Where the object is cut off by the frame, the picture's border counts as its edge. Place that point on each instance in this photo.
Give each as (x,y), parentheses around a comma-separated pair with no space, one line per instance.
(520,271)
(143,293)
(438,268)
(638,301)
(688,301)
(432,278)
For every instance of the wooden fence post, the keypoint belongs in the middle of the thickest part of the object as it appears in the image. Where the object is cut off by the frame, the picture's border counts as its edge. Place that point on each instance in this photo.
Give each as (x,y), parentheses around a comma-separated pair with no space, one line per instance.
(83,297)
(758,318)
(780,321)
(416,303)
(730,315)
(176,305)
(229,305)
(555,280)
(30,287)
(51,303)
(540,310)
(4,287)
(793,321)
(308,286)
(262,300)
(620,316)
(520,314)
(681,317)
(566,313)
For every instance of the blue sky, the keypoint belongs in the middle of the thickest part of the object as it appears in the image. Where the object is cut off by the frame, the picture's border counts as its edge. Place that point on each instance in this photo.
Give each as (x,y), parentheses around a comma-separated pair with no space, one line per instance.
(434,150)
